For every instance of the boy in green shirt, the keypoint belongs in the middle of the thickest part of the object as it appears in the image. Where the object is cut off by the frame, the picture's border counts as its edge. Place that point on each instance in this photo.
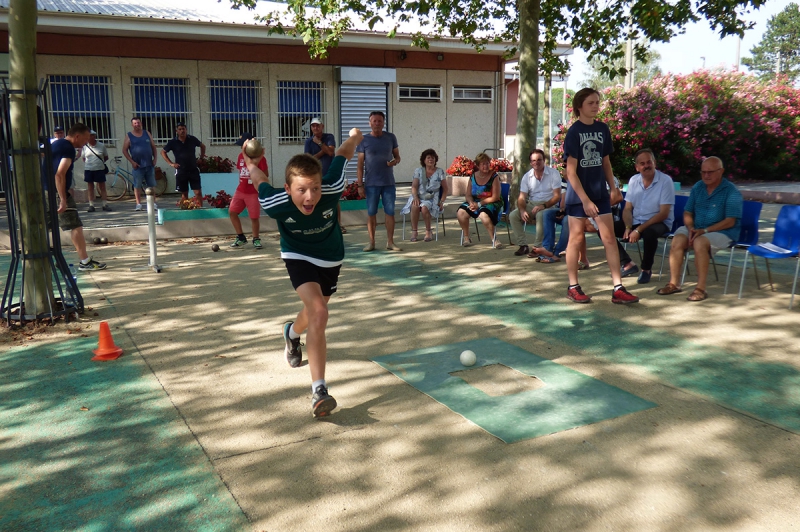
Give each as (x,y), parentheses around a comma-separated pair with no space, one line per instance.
(312,248)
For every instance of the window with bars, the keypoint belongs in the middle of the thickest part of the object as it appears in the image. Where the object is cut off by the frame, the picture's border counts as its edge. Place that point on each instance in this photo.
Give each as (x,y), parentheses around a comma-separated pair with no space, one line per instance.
(298,103)
(419,93)
(162,103)
(234,110)
(472,94)
(85,99)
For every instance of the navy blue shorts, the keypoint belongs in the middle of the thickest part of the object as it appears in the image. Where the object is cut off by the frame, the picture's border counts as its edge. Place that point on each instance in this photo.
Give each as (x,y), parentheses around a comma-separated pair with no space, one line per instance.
(576,209)
(94,176)
(185,179)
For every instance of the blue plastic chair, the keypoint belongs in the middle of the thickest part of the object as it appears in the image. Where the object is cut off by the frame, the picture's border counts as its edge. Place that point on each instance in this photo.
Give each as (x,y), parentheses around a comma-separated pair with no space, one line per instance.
(785,245)
(680,205)
(748,236)
(505,189)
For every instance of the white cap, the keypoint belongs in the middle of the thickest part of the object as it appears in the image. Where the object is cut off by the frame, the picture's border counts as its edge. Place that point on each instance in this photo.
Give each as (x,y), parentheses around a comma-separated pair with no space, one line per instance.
(316,120)
(93,132)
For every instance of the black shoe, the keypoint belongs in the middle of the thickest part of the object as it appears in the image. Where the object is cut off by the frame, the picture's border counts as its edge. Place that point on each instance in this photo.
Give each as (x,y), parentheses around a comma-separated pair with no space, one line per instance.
(90,209)
(293,352)
(630,271)
(321,403)
(107,208)
(523,250)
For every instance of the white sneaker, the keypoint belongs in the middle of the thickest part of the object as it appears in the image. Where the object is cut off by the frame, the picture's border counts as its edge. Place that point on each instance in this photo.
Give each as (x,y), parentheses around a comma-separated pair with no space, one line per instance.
(138,207)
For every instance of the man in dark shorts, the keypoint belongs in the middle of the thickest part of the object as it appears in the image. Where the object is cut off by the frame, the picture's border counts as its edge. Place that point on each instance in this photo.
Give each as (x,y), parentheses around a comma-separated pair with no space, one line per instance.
(63,151)
(94,157)
(187,174)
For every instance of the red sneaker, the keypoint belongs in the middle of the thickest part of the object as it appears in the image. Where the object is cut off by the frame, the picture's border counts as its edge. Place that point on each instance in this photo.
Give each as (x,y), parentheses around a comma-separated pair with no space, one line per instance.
(577,295)
(623,297)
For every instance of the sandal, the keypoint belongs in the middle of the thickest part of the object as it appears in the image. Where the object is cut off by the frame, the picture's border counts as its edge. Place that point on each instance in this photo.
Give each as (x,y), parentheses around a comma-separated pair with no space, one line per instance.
(414,236)
(344,229)
(669,290)
(697,295)
(547,260)
(467,243)
(427,239)
(498,245)
(582,265)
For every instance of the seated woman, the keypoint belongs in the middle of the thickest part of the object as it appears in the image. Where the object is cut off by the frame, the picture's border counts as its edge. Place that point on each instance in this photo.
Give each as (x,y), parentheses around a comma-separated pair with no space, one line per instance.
(483,200)
(425,193)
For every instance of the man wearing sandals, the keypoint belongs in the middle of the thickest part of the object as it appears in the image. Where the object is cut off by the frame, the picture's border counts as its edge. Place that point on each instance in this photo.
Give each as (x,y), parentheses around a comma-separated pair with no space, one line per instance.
(539,190)
(712,221)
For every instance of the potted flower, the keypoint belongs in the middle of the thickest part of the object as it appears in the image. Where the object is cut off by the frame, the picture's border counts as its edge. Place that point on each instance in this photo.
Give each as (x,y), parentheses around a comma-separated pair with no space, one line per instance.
(217,173)
(215,165)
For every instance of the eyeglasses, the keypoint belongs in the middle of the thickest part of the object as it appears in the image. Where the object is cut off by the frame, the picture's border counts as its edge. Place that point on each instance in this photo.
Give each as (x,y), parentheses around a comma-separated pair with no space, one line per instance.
(709,172)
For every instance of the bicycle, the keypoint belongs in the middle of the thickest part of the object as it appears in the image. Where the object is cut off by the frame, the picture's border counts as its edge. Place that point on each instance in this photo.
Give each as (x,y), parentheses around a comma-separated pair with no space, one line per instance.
(120,182)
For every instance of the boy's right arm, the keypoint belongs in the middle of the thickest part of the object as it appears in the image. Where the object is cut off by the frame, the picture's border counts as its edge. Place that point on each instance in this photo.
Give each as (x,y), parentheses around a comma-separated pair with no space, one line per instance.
(348,147)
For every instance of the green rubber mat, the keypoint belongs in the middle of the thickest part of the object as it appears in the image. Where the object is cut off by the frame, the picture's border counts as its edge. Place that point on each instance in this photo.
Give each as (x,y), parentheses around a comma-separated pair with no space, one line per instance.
(98,446)
(567,400)
(769,391)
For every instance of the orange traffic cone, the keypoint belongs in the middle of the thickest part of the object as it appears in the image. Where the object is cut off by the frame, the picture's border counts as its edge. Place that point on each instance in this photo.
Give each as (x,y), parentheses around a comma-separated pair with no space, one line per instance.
(106,350)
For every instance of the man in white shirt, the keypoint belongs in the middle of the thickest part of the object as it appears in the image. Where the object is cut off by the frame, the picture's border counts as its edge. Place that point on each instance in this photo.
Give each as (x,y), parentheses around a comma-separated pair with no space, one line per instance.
(94,156)
(539,189)
(648,214)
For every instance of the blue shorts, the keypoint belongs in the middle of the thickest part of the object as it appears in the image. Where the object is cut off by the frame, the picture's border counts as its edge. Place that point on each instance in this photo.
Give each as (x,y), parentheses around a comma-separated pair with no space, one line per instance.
(148,174)
(387,193)
(576,209)
(94,176)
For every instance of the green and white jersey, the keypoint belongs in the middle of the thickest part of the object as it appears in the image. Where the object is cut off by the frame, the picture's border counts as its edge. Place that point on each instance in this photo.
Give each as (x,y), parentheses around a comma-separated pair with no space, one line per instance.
(314,237)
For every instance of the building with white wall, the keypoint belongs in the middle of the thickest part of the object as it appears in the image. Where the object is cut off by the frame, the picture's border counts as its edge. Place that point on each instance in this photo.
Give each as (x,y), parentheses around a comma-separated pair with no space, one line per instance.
(107,62)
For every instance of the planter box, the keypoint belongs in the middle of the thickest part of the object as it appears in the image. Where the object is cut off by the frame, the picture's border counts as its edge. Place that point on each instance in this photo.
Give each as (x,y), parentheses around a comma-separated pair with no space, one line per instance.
(205,213)
(357,205)
(212,183)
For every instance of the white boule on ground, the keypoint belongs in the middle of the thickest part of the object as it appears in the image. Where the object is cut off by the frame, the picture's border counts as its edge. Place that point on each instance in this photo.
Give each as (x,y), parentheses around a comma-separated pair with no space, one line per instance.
(468,358)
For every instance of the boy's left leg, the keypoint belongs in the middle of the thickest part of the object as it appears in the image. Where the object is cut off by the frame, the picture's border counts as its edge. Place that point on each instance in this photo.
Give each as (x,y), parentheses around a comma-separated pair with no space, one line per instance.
(313,319)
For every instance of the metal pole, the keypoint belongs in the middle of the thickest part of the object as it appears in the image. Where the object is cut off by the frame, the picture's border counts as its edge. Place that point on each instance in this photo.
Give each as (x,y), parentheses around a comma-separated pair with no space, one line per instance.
(151,225)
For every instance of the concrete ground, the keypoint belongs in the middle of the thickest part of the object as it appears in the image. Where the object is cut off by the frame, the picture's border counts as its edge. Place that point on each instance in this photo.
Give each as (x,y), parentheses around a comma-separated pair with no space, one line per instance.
(219,431)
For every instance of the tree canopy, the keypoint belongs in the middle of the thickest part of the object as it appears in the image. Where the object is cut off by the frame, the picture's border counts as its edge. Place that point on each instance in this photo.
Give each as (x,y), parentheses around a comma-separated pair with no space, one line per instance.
(643,71)
(779,47)
(531,28)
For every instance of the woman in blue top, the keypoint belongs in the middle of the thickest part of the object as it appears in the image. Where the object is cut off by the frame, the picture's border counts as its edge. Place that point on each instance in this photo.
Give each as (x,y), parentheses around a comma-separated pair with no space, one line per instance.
(590,192)
(483,200)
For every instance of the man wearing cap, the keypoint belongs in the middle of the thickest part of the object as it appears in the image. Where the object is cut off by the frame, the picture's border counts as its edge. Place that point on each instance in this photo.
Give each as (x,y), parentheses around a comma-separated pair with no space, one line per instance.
(140,150)
(246,195)
(183,146)
(323,146)
(94,156)
(58,133)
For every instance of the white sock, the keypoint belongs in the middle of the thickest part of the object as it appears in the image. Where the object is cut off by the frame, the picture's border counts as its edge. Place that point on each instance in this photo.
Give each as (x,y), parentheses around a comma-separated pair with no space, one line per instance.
(91,203)
(86,260)
(293,335)
(105,203)
(317,383)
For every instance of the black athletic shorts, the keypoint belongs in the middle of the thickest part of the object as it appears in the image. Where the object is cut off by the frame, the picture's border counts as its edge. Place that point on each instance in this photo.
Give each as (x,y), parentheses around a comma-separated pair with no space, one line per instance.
(302,272)
(187,179)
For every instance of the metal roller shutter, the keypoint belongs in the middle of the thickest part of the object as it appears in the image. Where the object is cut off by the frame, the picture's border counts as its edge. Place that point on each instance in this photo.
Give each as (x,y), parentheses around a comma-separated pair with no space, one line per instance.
(356,102)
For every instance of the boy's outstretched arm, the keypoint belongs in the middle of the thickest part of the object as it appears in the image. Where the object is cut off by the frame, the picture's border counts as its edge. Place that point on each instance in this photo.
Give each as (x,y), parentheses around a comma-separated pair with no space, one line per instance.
(348,147)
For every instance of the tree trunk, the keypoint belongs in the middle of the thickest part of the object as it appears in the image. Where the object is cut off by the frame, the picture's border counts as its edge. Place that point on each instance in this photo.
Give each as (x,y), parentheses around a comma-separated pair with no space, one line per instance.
(38,286)
(528,99)
(547,133)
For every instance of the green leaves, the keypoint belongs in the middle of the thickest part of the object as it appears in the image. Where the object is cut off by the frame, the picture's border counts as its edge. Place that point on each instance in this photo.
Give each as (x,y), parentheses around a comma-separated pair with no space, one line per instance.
(779,49)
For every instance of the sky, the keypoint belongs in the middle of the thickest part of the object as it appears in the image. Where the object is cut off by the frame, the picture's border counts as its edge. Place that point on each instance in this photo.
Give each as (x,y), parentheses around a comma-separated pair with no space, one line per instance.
(684,53)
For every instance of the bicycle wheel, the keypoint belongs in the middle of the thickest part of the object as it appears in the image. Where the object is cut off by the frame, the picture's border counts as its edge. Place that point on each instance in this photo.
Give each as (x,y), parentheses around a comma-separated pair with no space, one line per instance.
(116,186)
(161,184)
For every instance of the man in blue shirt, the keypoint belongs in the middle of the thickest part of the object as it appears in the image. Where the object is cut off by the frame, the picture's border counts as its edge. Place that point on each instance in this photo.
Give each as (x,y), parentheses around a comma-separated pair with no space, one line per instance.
(378,154)
(712,222)
(63,154)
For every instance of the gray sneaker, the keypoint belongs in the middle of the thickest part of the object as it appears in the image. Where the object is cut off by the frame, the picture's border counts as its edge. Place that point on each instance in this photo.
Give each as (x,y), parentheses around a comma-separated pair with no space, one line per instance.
(293,352)
(91,265)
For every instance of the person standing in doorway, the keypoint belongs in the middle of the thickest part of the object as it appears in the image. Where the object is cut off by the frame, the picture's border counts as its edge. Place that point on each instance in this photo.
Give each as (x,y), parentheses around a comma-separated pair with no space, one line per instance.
(140,150)
(378,154)
(184,147)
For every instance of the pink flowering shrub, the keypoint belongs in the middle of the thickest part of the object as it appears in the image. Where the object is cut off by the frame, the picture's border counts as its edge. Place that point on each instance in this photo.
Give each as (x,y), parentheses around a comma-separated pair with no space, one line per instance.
(753,126)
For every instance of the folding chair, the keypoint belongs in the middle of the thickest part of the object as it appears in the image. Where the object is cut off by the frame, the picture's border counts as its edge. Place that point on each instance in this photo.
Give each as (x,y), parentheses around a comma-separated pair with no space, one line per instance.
(785,245)
(505,188)
(748,236)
